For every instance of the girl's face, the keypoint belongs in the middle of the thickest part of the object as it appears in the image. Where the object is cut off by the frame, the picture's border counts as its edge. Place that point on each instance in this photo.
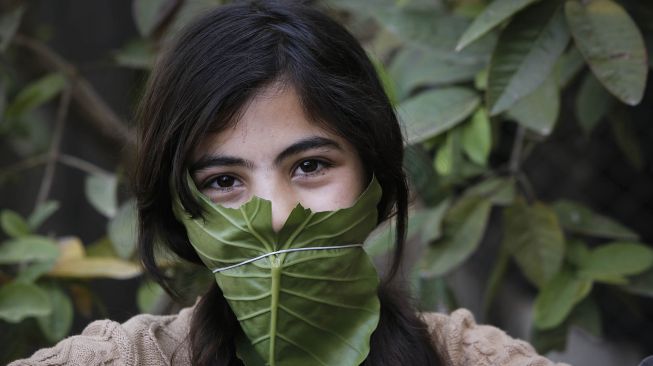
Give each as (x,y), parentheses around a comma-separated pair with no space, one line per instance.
(276,153)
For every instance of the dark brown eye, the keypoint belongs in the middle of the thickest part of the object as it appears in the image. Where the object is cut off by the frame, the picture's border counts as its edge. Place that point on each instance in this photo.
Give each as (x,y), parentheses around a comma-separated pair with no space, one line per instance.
(225,181)
(309,166)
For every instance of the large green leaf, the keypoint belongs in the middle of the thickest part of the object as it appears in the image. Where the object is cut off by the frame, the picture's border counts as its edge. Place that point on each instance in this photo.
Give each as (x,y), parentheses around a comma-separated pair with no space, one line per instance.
(538,111)
(616,260)
(534,238)
(499,190)
(9,22)
(21,300)
(463,229)
(526,52)
(36,93)
(282,301)
(593,103)
(558,297)
(435,111)
(569,65)
(13,224)
(477,137)
(28,249)
(414,67)
(57,324)
(612,45)
(122,229)
(494,14)
(579,219)
(101,191)
(149,14)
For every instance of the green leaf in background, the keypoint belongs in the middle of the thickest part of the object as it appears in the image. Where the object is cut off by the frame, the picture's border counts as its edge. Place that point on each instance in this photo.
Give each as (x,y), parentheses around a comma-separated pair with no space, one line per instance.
(538,111)
(56,325)
(526,52)
(494,14)
(22,300)
(149,293)
(74,263)
(149,14)
(34,271)
(42,213)
(641,284)
(587,316)
(579,219)
(101,190)
(557,298)
(136,54)
(463,228)
(36,93)
(577,252)
(387,81)
(122,229)
(477,137)
(281,300)
(423,225)
(13,224)
(593,103)
(435,111)
(436,295)
(415,66)
(616,260)
(569,65)
(612,45)
(499,190)
(495,279)
(9,22)
(444,157)
(534,238)
(28,249)
(3,103)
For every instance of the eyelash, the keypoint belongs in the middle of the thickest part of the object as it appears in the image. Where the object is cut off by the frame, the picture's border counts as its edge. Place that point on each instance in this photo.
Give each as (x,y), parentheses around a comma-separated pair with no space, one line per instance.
(211,181)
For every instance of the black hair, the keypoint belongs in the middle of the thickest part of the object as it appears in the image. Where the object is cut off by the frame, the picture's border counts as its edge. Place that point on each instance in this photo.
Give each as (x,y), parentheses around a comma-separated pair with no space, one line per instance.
(201,84)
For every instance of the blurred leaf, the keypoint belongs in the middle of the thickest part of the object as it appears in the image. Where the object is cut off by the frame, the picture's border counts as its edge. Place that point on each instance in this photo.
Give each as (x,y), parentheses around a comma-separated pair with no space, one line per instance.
(95,267)
(579,219)
(587,316)
(569,65)
(463,228)
(387,81)
(577,252)
(56,325)
(83,299)
(101,192)
(557,298)
(34,271)
(436,295)
(71,248)
(435,111)
(534,238)
(42,213)
(612,45)
(538,111)
(22,300)
(495,279)
(3,103)
(480,80)
(444,157)
(136,54)
(9,22)
(36,93)
(149,292)
(103,247)
(494,14)
(414,67)
(593,102)
(626,138)
(552,339)
(641,284)
(13,224)
(27,249)
(616,260)
(149,14)
(122,229)
(423,225)
(526,52)
(499,190)
(477,137)
(418,165)
(188,10)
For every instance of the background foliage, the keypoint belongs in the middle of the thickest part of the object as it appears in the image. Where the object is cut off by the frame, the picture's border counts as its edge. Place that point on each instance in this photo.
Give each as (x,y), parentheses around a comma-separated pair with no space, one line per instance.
(481,87)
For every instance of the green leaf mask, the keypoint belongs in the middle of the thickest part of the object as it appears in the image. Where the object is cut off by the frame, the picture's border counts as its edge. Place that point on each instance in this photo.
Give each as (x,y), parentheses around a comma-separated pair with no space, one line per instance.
(298,306)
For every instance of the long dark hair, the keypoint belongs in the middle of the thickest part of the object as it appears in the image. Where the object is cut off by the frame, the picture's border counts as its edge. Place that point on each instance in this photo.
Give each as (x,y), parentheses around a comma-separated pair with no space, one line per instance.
(201,84)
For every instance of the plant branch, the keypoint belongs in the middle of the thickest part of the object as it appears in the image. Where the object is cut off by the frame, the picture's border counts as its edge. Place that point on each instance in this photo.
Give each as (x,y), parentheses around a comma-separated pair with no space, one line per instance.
(55,147)
(517,147)
(28,163)
(83,165)
(100,115)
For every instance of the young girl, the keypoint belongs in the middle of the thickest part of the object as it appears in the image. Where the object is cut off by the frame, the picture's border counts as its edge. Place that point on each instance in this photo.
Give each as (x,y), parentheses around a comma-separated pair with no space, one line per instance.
(267,152)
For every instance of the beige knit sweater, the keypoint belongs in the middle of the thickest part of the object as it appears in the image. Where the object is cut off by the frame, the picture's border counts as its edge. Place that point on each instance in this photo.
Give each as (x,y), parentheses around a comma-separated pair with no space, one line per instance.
(148,340)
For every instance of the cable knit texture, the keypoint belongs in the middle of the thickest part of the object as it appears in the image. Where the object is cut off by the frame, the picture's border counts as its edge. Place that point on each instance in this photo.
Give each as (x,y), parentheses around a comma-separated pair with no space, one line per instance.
(148,340)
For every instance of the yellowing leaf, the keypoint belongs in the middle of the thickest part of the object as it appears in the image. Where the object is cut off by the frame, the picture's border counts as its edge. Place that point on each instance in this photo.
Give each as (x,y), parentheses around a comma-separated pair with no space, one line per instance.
(96,268)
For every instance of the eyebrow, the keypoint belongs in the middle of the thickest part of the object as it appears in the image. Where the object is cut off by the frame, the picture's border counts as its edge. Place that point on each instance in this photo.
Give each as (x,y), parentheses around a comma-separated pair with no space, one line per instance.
(216,160)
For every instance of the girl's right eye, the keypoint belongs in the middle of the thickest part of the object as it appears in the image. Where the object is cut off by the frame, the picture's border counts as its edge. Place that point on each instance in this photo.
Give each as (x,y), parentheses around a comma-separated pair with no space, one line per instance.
(223,182)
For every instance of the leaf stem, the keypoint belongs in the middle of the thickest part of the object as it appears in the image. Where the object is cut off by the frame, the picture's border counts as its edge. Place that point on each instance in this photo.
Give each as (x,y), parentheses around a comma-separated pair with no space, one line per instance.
(81,164)
(275,268)
(517,147)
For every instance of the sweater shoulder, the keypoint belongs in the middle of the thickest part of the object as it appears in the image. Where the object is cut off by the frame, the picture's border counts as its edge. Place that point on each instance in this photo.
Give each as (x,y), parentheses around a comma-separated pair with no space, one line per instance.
(142,340)
(461,342)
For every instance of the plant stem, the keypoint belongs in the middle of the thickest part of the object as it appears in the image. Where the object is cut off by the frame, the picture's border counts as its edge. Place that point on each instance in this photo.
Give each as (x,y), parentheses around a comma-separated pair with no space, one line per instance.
(55,147)
(518,145)
(81,164)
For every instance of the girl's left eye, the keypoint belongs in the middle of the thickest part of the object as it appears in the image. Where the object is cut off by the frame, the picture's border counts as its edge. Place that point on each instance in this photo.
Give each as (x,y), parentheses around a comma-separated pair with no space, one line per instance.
(310,166)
